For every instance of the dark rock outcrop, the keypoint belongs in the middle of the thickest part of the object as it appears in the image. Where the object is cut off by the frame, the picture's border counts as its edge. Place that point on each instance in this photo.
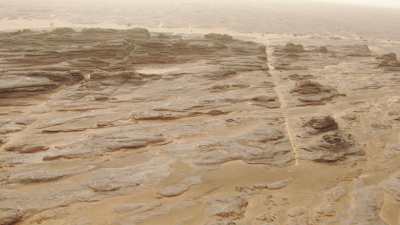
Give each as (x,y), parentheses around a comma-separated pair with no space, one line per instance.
(313,93)
(320,124)
(294,48)
(331,147)
(389,61)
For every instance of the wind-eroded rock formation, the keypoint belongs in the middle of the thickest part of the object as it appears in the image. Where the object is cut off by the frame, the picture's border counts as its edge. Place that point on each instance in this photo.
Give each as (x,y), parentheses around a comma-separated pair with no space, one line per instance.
(126,127)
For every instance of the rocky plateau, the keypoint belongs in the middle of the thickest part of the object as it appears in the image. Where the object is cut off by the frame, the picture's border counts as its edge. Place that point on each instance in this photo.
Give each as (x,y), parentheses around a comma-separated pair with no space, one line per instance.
(132,127)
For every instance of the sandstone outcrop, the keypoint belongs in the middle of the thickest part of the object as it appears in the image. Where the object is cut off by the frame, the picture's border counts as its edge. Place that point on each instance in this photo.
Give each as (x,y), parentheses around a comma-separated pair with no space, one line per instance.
(389,62)
(313,93)
(324,141)
(294,48)
(321,124)
(107,126)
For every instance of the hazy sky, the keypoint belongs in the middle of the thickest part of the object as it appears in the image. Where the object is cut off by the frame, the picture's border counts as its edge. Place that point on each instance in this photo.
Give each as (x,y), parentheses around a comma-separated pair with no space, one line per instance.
(383,3)
(274,16)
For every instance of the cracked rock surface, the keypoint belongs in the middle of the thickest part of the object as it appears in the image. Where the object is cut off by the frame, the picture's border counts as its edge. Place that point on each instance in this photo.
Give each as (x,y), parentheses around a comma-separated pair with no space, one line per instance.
(128,127)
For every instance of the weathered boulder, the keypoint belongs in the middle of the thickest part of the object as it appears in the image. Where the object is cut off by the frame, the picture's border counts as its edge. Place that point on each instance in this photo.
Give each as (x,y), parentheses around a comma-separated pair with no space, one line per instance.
(330,147)
(320,124)
(293,48)
(313,93)
(388,60)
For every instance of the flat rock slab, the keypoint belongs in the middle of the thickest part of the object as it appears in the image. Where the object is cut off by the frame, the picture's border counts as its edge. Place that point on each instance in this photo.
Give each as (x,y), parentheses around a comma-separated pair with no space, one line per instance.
(106,126)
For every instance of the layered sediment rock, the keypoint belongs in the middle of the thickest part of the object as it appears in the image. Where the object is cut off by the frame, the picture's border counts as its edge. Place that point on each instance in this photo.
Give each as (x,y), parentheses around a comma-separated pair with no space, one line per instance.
(324,141)
(294,48)
(313,93)
(389,62)
(320,124)
(105,126)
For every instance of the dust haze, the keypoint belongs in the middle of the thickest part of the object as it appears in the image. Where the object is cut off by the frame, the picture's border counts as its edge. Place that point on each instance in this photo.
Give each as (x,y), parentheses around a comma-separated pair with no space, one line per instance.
(371,18)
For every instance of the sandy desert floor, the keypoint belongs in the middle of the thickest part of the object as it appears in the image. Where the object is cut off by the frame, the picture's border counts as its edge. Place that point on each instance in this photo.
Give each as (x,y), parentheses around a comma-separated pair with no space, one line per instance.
(177,127)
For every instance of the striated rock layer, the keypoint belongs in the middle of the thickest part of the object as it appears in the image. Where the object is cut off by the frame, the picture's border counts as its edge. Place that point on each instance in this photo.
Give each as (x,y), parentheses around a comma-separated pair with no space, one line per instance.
(102,126)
